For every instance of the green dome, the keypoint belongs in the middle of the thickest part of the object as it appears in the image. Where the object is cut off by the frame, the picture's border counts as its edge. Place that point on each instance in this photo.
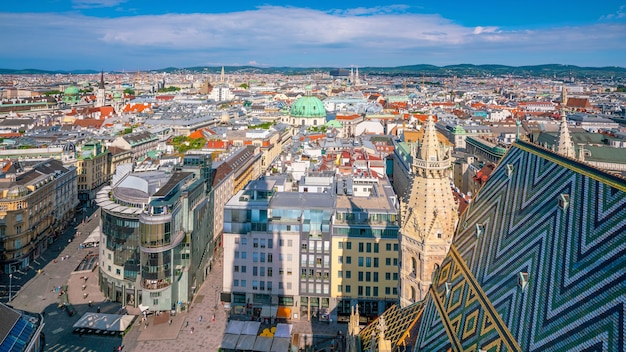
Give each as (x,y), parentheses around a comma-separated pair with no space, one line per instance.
(71,90)
(117,96)
(308,106)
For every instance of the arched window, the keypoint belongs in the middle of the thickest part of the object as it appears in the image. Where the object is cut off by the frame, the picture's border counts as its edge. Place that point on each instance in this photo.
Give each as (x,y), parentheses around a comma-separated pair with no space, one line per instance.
(414,265)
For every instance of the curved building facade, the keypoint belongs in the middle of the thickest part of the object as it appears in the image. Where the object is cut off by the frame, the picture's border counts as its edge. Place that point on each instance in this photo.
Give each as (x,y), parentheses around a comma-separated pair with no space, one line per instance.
(149,222)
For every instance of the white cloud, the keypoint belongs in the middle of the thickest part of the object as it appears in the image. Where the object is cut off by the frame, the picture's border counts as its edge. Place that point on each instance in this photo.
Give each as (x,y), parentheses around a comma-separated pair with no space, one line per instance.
(619,14)
(291,36)
(87,4)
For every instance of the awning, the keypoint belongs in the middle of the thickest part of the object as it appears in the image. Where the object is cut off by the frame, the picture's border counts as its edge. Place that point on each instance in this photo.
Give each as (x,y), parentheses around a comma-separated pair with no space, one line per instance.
(104,322)
(283,312)
(94,236)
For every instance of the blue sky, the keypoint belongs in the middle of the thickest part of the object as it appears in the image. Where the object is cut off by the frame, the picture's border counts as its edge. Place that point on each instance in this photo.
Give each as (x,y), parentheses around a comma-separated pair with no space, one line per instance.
(147,34)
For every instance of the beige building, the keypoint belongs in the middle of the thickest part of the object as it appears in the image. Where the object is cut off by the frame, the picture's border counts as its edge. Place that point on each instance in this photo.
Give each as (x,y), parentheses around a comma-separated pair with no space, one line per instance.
(139,143)
(428,216)
(28,212)
(92,164)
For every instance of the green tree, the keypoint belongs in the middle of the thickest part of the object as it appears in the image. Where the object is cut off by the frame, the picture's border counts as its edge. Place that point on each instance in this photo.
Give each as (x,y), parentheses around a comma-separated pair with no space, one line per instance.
(129,91)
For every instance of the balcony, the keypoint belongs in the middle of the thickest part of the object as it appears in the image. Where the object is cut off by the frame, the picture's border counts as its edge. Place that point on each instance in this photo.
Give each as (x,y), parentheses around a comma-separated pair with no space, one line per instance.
(155,285)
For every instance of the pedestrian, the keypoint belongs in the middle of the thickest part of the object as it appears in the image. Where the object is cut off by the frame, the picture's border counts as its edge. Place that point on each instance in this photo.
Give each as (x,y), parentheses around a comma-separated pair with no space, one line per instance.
(192,330)
(213,319)
(200,319)
(169,322)
(187,323)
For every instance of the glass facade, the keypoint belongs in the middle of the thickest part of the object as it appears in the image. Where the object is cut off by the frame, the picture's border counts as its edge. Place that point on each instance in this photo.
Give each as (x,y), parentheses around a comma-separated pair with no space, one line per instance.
(154,235)
(123,239)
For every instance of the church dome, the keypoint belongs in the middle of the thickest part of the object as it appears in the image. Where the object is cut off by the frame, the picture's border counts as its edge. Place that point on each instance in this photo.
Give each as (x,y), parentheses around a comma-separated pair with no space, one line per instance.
(71,90)
(308,106)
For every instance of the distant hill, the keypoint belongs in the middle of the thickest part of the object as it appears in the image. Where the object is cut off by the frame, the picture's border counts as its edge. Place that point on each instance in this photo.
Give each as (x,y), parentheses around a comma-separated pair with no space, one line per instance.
(33,71)
(461,70)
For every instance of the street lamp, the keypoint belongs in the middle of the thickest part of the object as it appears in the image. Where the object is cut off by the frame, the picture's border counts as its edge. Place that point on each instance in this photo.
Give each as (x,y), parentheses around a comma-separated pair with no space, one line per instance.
(10,286)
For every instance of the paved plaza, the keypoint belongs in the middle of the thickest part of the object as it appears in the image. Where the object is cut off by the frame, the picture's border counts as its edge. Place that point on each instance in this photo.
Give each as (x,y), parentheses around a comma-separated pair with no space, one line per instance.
(62,267)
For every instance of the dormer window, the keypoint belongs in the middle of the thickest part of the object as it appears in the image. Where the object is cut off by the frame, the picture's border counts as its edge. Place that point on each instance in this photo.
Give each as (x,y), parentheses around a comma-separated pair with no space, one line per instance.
(522,280)
(509,169)
(480,230)
(563,201)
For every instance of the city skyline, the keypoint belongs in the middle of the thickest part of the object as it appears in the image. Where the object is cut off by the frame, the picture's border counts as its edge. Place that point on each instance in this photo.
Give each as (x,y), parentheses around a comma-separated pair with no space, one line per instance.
(141,35)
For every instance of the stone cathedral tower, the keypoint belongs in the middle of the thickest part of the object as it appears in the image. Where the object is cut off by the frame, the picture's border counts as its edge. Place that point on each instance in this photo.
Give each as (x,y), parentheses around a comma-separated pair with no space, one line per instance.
(429,216)
(100,94)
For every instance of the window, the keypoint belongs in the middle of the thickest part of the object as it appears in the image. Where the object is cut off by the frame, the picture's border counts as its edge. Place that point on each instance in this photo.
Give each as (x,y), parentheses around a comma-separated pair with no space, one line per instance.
(289,257)
(340,259)
(361,261)
(262,285)
(375,288)
(395,276)
(388,246)
(236,268)
(280,285)
(395,261)
(269,285)
(243,268)
(375,276)
(368,276)
(375,262)
(255,243)
(289,285)
(281,243)
(367,291)
(360,247)
(304,246)
(348,288)
(395,290)
(340,246)
(262,271)
(339,287)
(289,243)
(270,257)
(368,262)
(375,247)
(360,276)
(340,274)
(395,247)
(244,255)
(387,290)
(262,257)
(348,245)
(360,290)
(236,240)
(236,283)
(270,243)
(255,271)
(269,272)
(387,276)
(262,242)
(244,241)
(243,283)
(368,247)
(387,261)
(255,285)
(255,257)
(236,254)
(318,261)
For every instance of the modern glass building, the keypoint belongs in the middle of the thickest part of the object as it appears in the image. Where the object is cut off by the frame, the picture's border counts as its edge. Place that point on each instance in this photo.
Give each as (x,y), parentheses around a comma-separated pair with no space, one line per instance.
(156,236)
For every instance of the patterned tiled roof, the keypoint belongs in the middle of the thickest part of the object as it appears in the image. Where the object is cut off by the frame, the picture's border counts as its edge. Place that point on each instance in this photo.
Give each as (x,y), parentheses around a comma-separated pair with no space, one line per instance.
(537,263)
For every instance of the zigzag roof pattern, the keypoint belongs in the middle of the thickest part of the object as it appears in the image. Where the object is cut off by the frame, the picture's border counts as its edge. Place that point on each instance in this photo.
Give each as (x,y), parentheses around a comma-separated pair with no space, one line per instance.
(537,264)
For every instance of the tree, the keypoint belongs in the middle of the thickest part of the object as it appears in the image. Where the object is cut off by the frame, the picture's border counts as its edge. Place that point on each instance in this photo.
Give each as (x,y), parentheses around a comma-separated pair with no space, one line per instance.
(129,91)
